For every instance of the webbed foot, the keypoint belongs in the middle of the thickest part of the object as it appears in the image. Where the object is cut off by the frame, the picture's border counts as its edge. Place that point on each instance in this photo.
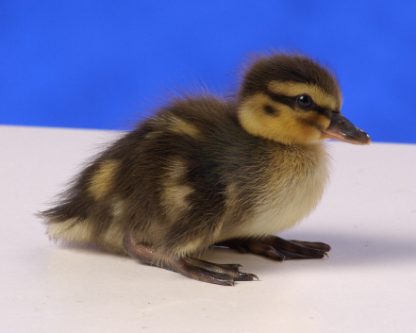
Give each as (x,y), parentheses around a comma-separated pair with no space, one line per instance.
(201,270)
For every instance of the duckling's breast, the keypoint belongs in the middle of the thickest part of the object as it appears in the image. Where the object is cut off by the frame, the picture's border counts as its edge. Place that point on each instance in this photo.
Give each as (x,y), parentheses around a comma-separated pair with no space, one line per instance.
(291,185)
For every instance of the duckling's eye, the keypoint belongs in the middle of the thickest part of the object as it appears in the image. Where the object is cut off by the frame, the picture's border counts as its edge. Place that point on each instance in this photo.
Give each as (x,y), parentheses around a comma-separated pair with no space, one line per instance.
(304,101)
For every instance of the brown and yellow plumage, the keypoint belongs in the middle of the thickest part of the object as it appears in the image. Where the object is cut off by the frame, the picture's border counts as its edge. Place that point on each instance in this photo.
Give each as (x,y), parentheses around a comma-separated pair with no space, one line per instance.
(203,171)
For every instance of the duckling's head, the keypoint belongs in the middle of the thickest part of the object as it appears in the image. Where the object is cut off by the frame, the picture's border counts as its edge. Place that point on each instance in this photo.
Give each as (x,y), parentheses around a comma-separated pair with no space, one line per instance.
(291,99)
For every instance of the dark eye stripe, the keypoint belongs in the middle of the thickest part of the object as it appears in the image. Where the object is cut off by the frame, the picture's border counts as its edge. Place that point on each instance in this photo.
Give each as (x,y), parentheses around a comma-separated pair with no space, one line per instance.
(291,101)
(323,111)
(288,100)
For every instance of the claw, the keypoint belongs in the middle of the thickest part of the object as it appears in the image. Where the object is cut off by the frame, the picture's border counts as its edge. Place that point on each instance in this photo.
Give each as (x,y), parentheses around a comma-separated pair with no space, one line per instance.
(246,277)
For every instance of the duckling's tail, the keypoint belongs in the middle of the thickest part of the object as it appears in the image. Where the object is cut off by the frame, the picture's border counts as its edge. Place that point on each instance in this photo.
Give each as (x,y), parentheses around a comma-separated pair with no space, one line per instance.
(81,231)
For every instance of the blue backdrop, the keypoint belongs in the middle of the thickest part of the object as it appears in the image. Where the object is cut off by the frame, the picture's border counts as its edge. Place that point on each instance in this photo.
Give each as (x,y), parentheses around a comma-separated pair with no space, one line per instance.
(106,64)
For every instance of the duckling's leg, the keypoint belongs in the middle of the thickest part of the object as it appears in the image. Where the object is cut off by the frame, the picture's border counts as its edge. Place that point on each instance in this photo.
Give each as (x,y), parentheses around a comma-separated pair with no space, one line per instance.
(222,274)
(276,248)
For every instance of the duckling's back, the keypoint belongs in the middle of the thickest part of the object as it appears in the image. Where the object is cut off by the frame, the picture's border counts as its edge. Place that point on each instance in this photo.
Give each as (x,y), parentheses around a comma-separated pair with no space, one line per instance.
(167,179)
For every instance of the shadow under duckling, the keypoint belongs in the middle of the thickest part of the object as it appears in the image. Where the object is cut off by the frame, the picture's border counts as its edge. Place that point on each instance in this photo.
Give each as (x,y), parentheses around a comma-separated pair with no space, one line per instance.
(204,172)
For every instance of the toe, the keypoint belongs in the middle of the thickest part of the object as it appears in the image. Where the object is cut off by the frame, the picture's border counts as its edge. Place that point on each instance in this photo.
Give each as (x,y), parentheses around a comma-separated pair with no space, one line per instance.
(296,247)
(314,245)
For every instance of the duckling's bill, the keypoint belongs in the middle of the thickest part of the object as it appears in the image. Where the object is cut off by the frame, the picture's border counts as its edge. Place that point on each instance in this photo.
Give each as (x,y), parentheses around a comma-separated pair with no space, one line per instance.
(342,129)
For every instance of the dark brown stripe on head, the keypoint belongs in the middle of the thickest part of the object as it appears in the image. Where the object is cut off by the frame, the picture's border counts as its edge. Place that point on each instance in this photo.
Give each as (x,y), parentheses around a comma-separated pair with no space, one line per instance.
(287,100)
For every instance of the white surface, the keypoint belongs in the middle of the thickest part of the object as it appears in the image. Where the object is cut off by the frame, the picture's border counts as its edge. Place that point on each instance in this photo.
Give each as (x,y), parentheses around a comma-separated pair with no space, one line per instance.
(368,283)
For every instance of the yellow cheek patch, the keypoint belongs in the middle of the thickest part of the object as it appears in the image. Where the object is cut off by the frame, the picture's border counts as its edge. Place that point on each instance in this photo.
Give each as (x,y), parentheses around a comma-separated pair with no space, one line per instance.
(102,180)
(288,127)
(319,96)
(314,119)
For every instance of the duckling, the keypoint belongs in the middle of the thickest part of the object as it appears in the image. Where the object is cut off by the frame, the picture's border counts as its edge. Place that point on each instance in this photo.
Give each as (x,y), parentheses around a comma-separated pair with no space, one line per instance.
(206,172)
